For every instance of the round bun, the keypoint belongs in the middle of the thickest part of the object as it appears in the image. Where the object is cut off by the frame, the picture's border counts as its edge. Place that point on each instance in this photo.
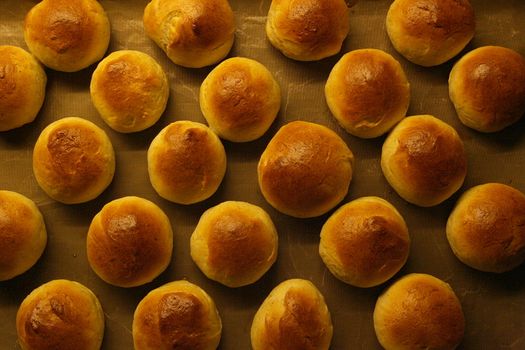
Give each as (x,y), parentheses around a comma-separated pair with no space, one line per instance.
(73,160)
(129,90)
(186,162)
(486,228)
(367,92)
(23,235)
(293,316)
(424,160)
(60,314)
(305,170)
(177,315)
(365,242)
(22,87)
(234,243)
(129,242)
(67,35)
(430,32)
(308,30)
(193,33)
(240,99)
(487,88)
(419,311)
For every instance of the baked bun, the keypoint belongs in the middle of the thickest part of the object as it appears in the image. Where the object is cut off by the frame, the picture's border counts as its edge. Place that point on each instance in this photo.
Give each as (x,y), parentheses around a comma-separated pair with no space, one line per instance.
(419,311)
(367,92)
(487,88)
(67,35)
(193,33)
(424,160)
(129,242)
(486,229)
(23,234)
(305,170)
(129,90)
(240,99)
(365,242)
(186,162)
(234,243)
(22,87)
(177,315)
(60,314)
(430,32)
(293,316)
(308,30)
(73,160)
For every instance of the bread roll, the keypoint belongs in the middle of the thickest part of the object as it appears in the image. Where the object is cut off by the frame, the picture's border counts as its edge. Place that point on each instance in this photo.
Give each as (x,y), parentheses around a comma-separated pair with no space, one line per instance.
(487,88)
(424,160)
(308,30)
(129,242)
(186,162)
(60,314)
(129,90)
(367,92)
(67,35)
(177,315)
(419,311)
(234,243)
(430,32)
(486,228)
(193,33)
(365,242)
(294,316)
(22,87)
(305,170)
(73,160)
(240,99)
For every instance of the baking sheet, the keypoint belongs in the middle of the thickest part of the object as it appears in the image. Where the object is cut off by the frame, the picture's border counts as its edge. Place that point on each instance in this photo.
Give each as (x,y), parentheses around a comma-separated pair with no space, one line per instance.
(494,305)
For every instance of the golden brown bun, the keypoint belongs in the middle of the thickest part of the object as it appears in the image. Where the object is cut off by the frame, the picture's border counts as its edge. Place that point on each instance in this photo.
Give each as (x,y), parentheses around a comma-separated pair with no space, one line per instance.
(308,30)
(186,162)
(177,315)
(73,160)
(294,316)
(367,92)
(60,314)
(234,243)
(193,33)
(22,87)
(486,229)
(129,242)
(23,234)
(487,88)
(240,99)
(430,32)
(424,160)
(365,242)
(67,35)
(305,170)
(130,90)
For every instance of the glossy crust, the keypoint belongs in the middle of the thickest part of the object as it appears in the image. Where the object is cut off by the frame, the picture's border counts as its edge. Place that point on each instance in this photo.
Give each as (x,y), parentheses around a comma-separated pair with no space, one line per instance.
(367,92)
(177,315)
(22,87)
(365,242)
(130,90)
(419,311)
(240,99)
(424,160)
(294,316)
(487,88)
(305,170)
(234,243)
(60,314)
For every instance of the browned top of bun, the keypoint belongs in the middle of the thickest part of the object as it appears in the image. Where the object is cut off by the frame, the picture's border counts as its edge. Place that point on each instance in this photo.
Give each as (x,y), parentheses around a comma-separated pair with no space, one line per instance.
(12,93)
